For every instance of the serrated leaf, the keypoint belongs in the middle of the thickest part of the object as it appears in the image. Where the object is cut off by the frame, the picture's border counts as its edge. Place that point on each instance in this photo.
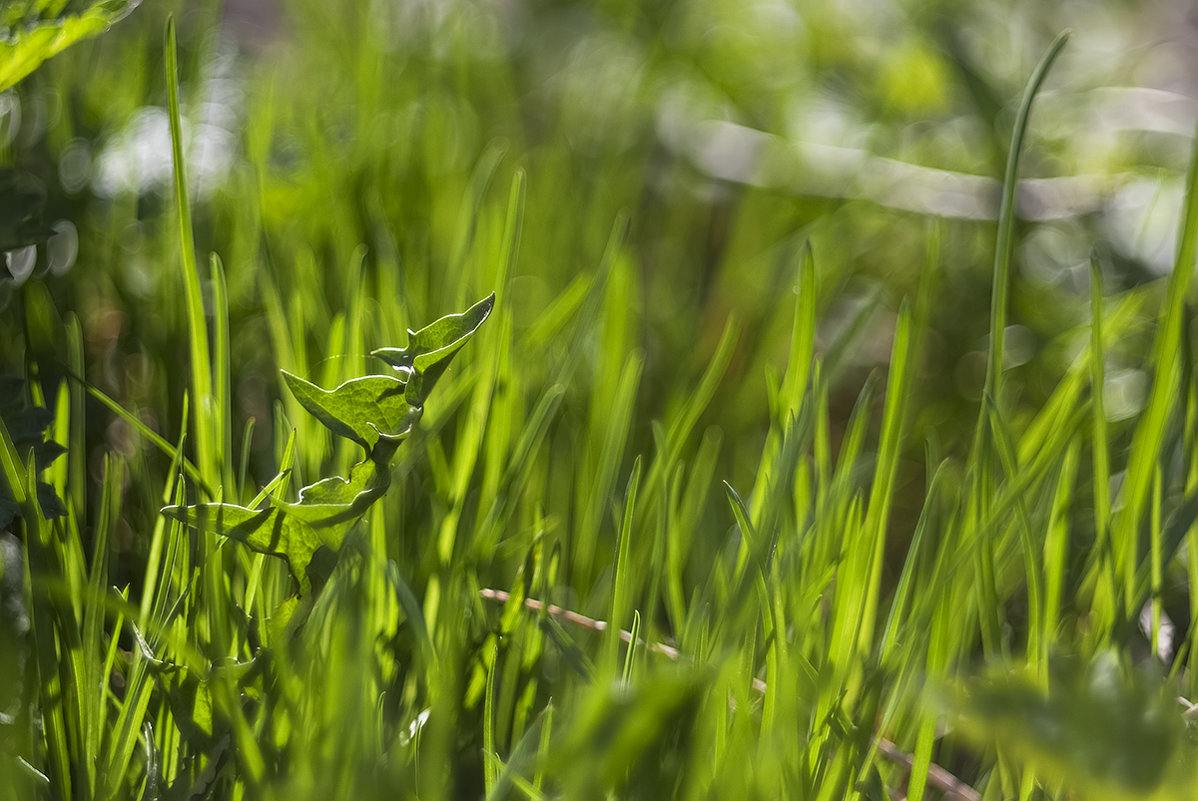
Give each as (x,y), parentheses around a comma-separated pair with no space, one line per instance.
(272,531)
(27,425)
(24,427)
(437,341)
(362,409)
(47,499)
(295,531)
(377,412)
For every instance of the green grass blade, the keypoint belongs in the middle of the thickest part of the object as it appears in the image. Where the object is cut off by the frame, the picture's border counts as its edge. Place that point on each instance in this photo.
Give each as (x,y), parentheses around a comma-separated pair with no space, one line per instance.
(1150,431)
(492,766)
(1100,439)
(220,373)
(634,645)
(205,419)
(1032,555)
(623,579)
(981,460)
(616,431)
(889,449)
(1056,544)
(192,470)
(802,337)
(1001,288)
(92,704)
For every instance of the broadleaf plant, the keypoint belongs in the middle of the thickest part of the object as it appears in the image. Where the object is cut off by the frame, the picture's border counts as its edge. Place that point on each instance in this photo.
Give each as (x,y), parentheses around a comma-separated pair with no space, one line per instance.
(25,426)
(30,33)
(376,411)
(429,350)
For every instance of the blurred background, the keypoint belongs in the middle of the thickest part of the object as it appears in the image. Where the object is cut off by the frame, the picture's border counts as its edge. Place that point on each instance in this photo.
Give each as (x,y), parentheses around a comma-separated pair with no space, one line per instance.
(339,147)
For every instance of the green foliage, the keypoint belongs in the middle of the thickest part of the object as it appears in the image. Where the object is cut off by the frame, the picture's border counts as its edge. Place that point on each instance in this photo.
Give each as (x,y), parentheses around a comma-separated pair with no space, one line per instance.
(32,31)
(363,409)
(22,200)
(1106,733)
(733,497)
(23,428)
(378,412)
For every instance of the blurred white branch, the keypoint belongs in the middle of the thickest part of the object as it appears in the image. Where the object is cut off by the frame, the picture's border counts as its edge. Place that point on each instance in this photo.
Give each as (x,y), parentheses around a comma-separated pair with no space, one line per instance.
(744,155)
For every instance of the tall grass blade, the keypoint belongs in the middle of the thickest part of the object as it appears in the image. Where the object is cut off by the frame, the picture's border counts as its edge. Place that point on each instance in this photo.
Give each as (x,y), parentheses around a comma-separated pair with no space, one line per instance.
(205,420)
(622,580)
(1166,367)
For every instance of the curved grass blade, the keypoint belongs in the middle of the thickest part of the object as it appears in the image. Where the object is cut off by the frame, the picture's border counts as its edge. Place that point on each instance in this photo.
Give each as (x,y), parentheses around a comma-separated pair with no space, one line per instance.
(1000,290)
(983,450)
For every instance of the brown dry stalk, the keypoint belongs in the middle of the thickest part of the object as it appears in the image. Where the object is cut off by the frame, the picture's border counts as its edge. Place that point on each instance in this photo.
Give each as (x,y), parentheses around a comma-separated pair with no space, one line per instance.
(952,788)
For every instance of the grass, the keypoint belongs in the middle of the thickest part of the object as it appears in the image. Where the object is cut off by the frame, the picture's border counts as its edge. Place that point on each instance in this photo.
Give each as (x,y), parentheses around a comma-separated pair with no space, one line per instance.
(662,529)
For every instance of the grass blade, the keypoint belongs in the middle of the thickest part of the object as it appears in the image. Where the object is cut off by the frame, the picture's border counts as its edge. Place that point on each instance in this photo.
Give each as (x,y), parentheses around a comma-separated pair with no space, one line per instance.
(203,408)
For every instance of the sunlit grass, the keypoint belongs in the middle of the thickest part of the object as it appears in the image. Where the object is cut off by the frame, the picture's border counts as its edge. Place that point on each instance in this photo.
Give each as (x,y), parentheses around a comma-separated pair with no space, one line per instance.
(687,517)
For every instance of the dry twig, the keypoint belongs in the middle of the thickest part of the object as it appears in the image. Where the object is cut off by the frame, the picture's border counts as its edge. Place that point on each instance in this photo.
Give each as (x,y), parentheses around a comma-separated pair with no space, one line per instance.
(952,788)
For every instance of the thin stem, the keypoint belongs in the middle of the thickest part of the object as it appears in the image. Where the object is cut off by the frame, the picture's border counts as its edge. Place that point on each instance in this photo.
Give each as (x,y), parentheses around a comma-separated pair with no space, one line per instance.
(940,779)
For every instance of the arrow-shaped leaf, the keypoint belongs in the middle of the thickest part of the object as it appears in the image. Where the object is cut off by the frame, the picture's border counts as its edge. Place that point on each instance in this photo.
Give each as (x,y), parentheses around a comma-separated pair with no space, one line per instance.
(362,409)
(270,531)
(438,340)
(377,412)
(294,531)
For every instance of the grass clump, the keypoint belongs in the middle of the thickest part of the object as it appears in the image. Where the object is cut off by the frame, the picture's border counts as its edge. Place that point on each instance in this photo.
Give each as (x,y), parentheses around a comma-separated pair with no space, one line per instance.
(610,559)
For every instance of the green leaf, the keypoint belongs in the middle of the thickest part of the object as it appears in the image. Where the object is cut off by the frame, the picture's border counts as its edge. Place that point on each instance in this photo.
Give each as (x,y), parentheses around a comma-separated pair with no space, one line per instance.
(266,530)
(191,705)
(28,42)
(438,339)
(295,531)
(377,412)
(429,350)
(22,200)
(188,692)
(362,409)
(25,426)
(1106,731)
